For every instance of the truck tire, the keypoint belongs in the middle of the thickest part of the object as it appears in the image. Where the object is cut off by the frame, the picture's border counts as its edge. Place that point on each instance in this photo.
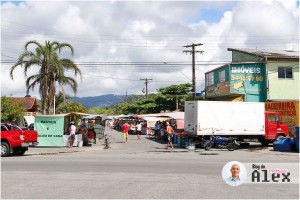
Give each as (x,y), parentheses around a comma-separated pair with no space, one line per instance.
(264,142)
(19,151)
(231,146)
(279,137)
(4,149)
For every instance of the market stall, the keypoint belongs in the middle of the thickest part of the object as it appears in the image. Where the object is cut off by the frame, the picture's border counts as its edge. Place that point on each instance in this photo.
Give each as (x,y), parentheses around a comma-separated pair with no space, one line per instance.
(53,129)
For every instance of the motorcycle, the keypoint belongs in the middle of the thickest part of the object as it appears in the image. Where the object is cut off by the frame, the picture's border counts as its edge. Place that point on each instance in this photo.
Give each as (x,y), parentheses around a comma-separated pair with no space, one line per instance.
(223,143)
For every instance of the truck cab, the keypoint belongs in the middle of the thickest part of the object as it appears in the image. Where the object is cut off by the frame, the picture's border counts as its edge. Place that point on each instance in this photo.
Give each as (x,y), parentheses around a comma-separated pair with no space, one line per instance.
(274,127)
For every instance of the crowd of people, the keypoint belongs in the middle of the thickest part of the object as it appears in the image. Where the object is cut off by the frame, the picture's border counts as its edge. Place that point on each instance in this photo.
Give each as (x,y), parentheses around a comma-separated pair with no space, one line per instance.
(88,134)
(162,131)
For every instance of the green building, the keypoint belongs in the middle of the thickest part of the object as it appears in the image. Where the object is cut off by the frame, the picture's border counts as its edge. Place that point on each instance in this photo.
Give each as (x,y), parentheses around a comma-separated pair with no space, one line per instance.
(255,76)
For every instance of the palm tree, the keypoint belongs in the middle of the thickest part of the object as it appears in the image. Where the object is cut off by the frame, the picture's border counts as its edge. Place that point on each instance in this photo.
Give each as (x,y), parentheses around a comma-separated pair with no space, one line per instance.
(51,70)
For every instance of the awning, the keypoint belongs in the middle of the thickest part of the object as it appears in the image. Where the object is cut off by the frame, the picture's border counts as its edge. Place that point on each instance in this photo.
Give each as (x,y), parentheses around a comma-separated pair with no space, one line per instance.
(29,119)
(180,123)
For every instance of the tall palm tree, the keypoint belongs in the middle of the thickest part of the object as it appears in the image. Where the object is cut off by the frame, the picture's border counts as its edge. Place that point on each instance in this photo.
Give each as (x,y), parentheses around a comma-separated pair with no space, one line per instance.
(51,70)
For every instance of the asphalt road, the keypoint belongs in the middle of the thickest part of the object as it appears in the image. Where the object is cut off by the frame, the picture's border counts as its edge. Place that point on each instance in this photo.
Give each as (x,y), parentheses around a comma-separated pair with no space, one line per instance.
(139,169)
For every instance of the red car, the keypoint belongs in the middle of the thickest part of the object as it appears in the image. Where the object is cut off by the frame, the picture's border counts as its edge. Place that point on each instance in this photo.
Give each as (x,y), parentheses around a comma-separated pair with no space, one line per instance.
(16,141)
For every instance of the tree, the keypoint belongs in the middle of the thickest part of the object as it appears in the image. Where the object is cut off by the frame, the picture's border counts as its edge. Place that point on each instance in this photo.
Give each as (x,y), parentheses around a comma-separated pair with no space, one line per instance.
(51,70)
(11,111)
(72,106)
(168,98)
(60,100)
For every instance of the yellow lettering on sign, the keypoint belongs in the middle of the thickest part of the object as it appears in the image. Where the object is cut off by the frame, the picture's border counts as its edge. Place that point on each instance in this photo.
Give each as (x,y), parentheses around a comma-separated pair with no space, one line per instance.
(238,85)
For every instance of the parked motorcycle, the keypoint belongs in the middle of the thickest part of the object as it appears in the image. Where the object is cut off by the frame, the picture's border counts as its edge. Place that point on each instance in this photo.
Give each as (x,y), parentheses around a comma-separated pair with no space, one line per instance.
(223,143)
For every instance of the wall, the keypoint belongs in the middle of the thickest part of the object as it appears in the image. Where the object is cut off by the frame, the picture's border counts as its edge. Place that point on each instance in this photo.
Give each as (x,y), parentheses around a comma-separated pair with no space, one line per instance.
(249,79)
(281,89)
(244,57)
(244,82)
(219,88)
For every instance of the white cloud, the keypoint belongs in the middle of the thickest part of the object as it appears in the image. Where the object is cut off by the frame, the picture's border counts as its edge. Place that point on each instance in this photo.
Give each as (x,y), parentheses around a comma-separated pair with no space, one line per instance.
(107,32)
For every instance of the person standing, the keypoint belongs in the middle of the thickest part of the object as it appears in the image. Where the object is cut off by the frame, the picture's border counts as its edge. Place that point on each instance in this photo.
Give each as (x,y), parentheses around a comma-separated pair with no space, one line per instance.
(125,131)
(162,131)
(138,130)
(72,130)
(170,132)
(157,130)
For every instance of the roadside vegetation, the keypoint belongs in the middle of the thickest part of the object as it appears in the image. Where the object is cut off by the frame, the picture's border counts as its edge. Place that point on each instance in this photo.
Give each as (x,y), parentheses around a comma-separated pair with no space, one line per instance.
(51,71)
(11,111)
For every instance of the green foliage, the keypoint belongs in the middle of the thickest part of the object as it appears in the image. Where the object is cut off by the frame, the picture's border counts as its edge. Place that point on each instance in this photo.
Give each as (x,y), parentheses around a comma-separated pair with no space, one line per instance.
(165,100)
(181,89)
(10,111)
(98,111)
(60,100)
(71,106)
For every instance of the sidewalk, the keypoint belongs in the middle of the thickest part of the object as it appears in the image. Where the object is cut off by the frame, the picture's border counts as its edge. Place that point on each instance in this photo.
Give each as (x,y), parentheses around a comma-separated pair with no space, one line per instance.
(56,150)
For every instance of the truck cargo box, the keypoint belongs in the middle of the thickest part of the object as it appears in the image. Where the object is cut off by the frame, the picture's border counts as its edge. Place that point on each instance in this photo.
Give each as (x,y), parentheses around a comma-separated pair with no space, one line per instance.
(224,118)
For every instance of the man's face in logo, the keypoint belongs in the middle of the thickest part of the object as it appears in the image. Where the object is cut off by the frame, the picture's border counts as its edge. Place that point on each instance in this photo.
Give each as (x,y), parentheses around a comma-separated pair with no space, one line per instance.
(235,170)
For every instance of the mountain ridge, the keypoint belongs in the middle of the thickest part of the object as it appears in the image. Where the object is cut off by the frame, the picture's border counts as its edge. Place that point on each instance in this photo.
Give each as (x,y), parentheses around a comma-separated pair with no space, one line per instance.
(101,101)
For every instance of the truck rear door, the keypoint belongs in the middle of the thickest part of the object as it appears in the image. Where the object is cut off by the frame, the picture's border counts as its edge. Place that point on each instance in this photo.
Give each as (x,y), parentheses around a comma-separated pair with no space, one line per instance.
(190,117)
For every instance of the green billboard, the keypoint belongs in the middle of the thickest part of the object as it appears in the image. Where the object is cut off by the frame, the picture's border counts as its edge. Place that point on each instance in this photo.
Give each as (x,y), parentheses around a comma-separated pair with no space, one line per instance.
(50,130)
(248,79)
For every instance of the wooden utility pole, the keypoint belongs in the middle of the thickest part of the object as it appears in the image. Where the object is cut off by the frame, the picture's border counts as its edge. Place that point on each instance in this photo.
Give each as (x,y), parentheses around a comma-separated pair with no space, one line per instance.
(193,65)
(146,82)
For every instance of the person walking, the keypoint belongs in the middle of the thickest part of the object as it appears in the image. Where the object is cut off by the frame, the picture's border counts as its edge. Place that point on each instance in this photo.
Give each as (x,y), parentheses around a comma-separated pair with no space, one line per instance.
(157,130)
(138,130)
(125,131)
(162,131)
(72,130)
(170,132)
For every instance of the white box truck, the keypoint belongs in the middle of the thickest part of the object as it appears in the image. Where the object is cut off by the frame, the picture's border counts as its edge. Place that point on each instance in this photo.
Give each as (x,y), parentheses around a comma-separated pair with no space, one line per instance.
(244,120)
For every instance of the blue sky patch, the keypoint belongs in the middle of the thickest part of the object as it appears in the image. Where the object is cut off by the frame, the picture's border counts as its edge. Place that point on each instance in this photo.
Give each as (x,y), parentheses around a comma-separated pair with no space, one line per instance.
(13,2)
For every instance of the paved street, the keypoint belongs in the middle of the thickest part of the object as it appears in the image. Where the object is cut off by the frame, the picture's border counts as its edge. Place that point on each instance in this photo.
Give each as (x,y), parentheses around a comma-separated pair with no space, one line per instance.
(137,169)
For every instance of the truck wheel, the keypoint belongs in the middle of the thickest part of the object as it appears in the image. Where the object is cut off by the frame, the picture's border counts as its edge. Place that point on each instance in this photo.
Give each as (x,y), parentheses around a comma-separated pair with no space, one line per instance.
(279,137)
(264,142)
(231,146)
(19,151)
(4,149)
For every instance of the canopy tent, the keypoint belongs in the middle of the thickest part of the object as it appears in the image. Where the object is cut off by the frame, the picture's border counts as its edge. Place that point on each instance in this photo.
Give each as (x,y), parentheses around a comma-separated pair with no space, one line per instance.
(29,120)
(152,118)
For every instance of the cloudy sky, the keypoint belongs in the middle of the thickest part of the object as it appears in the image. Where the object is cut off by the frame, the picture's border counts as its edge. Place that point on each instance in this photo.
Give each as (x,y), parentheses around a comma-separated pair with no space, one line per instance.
(117,43)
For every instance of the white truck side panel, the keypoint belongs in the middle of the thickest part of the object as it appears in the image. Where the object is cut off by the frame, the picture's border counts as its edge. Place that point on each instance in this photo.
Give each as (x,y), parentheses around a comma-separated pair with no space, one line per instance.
(225,118)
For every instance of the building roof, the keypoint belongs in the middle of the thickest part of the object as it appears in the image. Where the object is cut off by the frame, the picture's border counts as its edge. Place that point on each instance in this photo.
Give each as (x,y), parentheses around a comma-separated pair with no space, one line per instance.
(28,102)
(269,53)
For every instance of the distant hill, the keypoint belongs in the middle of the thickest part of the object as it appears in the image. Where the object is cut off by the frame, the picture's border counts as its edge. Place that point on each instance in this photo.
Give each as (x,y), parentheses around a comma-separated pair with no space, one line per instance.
(100,101)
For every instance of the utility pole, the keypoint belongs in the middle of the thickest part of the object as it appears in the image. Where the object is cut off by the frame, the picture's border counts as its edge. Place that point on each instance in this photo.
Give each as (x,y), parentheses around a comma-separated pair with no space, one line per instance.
(193,65)
(146,82)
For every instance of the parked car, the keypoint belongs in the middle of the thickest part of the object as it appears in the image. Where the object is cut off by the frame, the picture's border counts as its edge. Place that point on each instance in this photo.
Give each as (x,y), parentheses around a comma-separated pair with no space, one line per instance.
(16,141)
